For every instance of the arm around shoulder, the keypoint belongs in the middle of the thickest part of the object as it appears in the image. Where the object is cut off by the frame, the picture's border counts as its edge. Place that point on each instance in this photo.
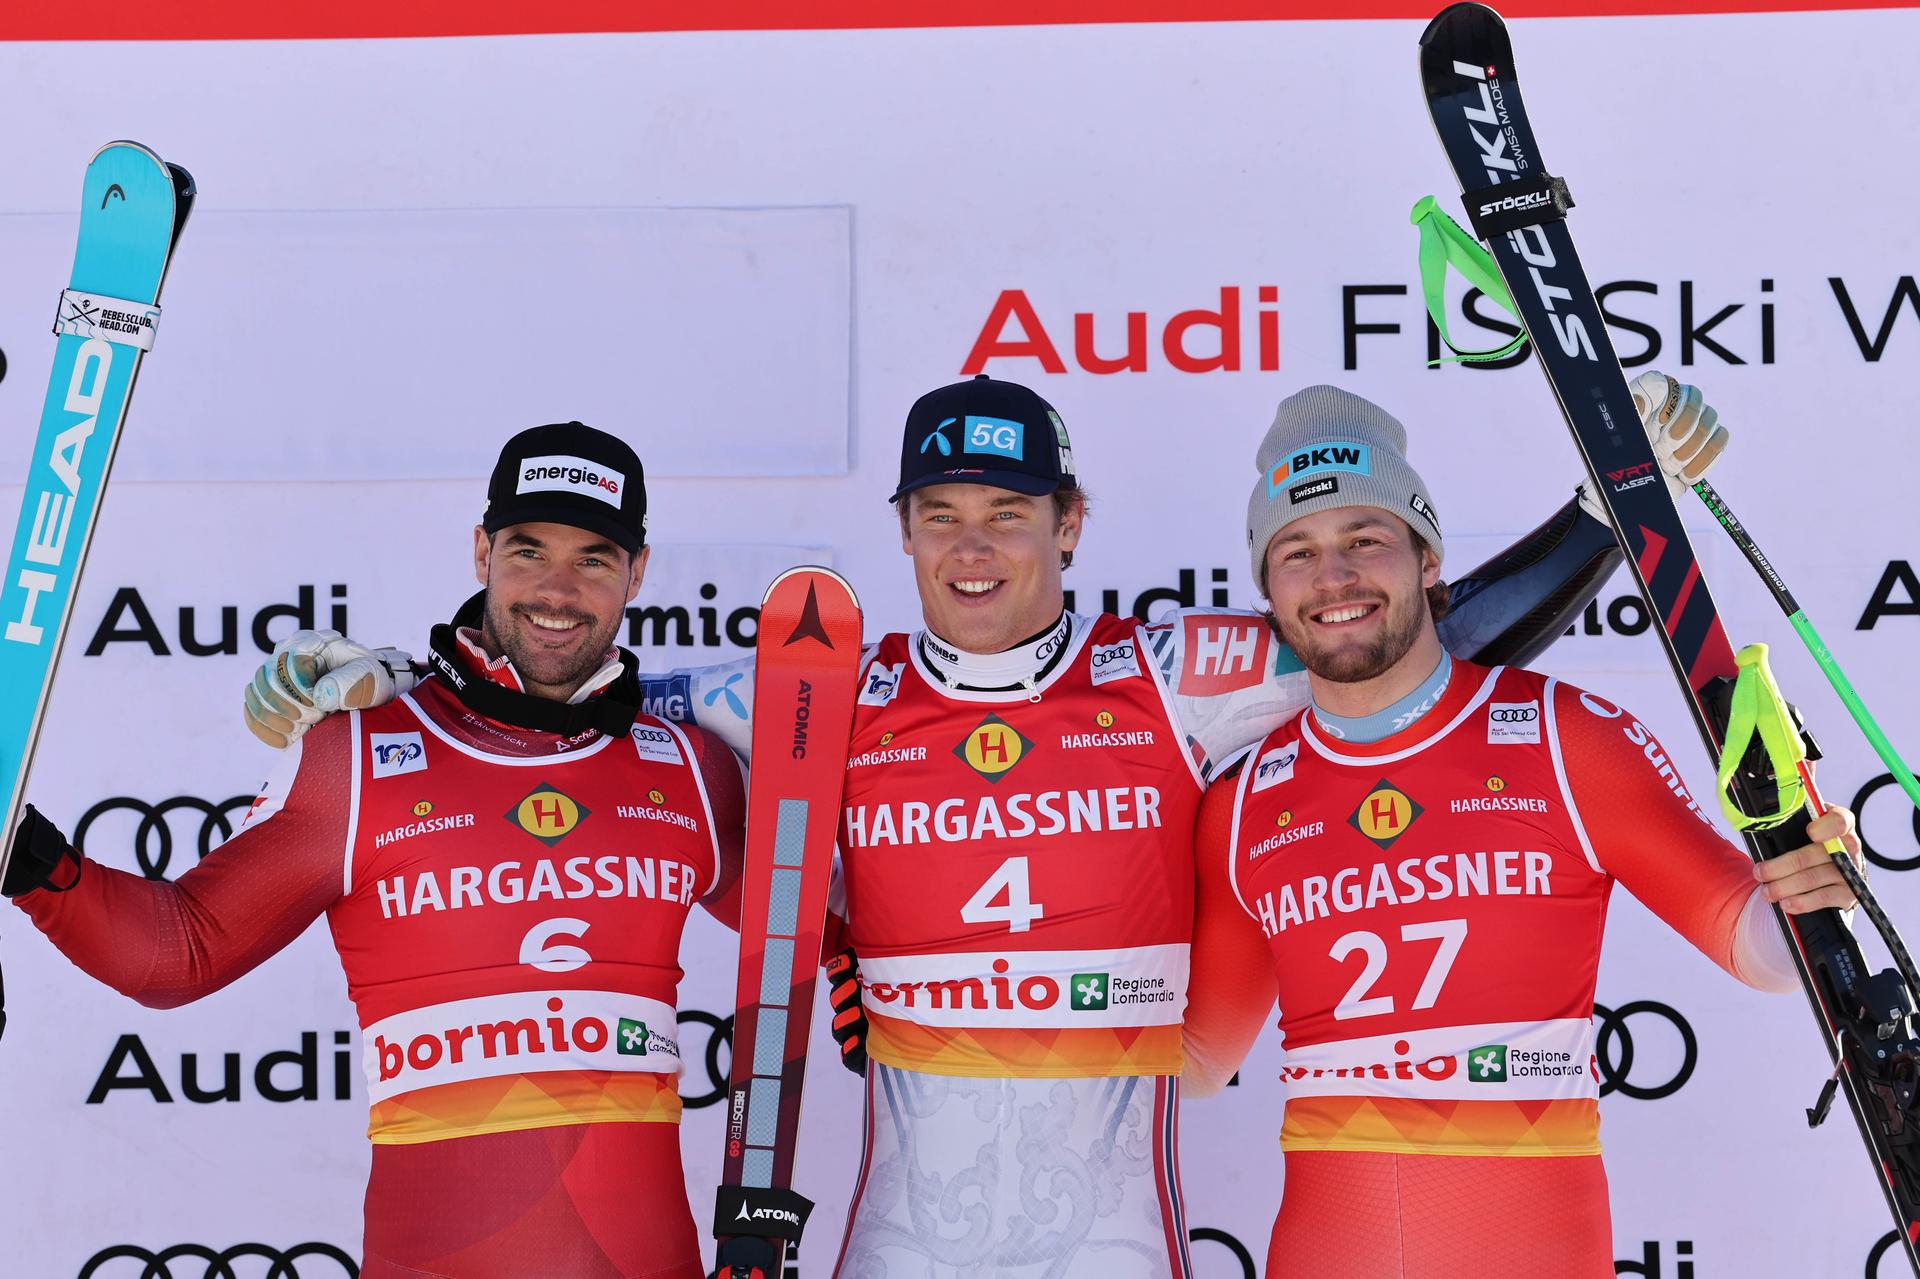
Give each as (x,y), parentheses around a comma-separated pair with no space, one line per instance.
(1231,985)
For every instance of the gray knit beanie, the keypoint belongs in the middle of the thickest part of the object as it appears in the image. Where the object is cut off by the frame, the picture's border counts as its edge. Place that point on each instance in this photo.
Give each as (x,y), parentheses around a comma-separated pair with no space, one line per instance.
(1329,448)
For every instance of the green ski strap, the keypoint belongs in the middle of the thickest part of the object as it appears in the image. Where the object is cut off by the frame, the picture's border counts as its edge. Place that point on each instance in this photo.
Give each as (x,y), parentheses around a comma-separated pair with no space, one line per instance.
(1759,710)
(1443,243)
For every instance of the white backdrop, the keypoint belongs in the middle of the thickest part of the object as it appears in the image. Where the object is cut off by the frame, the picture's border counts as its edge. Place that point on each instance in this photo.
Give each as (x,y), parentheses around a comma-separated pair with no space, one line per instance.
(749,252)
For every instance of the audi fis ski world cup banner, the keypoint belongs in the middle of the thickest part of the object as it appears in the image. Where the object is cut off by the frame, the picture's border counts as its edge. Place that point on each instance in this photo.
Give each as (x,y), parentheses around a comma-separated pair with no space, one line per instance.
(748,251)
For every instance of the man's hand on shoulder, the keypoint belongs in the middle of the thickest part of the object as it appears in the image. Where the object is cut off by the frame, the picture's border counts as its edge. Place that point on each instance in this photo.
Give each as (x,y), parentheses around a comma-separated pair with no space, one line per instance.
(1685,432)
(312,674)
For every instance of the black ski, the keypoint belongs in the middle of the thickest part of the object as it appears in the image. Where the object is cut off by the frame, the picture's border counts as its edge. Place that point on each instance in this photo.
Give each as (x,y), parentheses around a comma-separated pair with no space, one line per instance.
(1466,68)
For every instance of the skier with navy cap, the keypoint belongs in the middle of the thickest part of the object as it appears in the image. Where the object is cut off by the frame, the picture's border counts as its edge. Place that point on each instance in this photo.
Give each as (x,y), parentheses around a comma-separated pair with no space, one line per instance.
(1017,863)
(522,848)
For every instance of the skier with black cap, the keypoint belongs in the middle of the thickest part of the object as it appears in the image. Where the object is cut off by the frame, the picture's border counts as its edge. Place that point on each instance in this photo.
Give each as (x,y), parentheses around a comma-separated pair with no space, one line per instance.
(521,851)
(1017,847)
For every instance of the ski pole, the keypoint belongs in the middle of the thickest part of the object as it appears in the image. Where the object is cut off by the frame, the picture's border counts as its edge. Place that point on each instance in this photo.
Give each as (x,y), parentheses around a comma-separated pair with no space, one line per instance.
(1822,655)
(1444,243)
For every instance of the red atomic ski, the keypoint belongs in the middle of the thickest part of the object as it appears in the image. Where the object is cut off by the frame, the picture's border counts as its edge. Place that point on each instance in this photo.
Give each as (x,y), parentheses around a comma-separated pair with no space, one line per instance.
(806,665)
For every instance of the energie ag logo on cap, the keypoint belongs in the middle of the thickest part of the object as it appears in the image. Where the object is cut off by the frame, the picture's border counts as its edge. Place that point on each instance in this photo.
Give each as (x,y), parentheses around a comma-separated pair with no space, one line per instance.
(559,472)
(547,814)
(993,748)
(1334,455)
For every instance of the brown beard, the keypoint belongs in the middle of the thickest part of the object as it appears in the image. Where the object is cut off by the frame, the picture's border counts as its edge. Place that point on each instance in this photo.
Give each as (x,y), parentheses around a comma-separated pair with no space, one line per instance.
(1399,632)
(502,636)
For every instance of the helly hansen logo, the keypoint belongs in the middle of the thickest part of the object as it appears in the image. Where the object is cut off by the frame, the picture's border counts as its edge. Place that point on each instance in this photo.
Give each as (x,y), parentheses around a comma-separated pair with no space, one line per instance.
(1223,653)
(1338,455)
(396,753)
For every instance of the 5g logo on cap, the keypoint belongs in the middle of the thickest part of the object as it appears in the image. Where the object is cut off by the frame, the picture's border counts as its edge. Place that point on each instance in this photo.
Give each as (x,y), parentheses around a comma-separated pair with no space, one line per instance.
(558,472)
(995,435)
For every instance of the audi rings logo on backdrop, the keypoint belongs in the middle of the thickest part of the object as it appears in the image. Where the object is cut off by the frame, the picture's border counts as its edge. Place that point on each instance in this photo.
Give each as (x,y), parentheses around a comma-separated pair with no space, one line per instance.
(1887,1243)
(1879,854)
(197,1261)
(153,831)
(1627,1070)
(719,1045)
(1241,1253)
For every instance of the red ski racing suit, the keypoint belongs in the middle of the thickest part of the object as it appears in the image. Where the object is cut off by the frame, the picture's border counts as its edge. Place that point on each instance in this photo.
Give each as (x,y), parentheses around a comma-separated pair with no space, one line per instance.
(507,906)
(1432,906)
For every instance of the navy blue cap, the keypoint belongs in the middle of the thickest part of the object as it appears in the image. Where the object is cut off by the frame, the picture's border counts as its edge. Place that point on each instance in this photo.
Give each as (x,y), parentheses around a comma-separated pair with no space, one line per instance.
(569,474)
(984,431)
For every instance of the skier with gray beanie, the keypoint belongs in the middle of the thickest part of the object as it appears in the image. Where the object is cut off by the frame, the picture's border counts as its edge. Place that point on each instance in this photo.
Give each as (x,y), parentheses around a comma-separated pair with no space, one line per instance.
(1435,993)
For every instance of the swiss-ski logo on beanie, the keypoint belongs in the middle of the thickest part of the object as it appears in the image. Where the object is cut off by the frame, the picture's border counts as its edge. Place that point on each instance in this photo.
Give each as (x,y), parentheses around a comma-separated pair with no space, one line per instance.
(1333,455)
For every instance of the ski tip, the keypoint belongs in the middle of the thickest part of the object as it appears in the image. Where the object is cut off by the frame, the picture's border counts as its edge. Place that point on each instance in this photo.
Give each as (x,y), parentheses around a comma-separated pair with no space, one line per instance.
(183,187)
(1457,13)
(811,570)
(127,144)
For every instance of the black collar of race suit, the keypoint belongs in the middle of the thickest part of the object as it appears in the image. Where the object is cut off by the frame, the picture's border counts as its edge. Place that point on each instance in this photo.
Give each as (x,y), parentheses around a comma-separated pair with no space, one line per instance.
(1022,666)
(611,711)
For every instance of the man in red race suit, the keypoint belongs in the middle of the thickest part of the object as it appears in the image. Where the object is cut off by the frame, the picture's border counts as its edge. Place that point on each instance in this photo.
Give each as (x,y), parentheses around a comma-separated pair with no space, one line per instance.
(506,857)
(1418,864)
(1016,852)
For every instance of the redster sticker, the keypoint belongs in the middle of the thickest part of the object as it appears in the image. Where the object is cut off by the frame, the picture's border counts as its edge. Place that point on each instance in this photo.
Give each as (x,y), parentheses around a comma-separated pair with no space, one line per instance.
(1223,654)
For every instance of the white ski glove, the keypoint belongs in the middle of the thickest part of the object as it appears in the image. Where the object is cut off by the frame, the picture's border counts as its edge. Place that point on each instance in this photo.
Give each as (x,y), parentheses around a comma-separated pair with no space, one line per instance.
(1685,432)
(311,674)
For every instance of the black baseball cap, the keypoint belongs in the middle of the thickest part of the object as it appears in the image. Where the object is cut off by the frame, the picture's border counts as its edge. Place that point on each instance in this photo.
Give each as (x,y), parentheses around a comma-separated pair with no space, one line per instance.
(570,474)
(984,431)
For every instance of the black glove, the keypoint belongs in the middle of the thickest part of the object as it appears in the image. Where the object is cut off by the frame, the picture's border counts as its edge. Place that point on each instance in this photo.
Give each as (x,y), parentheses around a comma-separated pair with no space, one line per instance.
(849,1018)
(40,852)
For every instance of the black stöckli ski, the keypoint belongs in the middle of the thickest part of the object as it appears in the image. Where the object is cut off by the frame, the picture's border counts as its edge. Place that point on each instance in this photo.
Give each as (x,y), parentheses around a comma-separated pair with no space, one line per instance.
(1466,67)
